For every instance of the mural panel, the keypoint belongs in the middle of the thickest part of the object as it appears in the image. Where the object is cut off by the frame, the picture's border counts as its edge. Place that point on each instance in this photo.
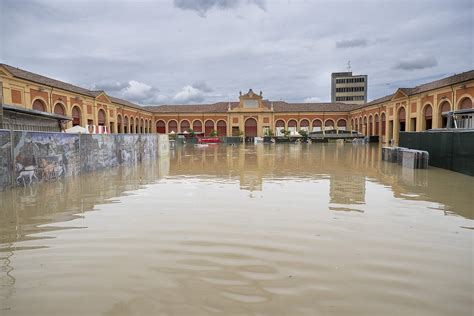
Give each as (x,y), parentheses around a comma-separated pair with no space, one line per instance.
(39,156)
(5,160)
(42,156)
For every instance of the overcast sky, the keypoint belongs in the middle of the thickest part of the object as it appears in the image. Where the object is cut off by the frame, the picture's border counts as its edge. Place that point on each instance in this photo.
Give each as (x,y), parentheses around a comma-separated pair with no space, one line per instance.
(199,51)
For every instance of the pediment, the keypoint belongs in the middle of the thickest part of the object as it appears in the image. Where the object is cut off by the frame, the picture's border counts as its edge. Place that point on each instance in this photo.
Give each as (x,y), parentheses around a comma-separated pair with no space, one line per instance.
(102,97)
(399,94)
(4,72)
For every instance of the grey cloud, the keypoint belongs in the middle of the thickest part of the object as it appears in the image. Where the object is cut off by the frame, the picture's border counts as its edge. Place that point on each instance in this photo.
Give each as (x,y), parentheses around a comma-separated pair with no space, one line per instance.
(417,63)
(201,85)
(132,90)
(360,42)
(202,6)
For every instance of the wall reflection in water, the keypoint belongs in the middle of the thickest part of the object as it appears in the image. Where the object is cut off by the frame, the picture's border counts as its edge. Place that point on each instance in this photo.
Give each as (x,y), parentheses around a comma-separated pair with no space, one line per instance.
(347,167)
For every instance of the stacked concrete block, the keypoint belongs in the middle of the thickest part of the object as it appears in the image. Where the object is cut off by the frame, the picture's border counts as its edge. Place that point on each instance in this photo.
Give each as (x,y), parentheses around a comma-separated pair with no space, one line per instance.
(410,158)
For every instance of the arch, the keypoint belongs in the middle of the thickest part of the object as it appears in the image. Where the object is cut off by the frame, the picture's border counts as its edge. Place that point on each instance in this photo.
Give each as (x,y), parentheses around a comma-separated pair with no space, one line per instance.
(76,115)
(341,124)
(208,127)
(383,121)
(184,126)
(125,125)
(280,123)
(137,123)
(119,124)
(292,123)
(161,127)
(39,105)
(250,127)
(142,126)
(370,127)
(279,127)
(59,108)
(304,123)
(222,128)
(329,123)
(132,125)
(427,113)
(316,125)
(101,117)
(465,103)
(292,126)
(402,117)
(376,124)
(172,126)
(197,126)
(444,107)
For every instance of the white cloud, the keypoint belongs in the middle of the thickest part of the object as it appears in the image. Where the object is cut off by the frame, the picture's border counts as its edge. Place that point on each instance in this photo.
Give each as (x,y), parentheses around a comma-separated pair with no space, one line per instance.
(312,100)
(189,94)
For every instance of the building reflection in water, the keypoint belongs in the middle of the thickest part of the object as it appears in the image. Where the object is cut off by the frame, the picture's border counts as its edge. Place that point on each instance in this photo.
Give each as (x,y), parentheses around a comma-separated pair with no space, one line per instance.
(347,169)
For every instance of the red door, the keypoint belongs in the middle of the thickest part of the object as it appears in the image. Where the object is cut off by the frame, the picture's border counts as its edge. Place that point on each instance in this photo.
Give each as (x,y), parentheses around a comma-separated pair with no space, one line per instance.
(250,128)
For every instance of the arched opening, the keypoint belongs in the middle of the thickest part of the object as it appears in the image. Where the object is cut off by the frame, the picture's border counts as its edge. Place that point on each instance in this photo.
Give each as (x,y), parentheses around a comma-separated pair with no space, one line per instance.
(382,119)
(125,125)
(428,117)
(402,117)
(208,127)
(101,117)
(329,125)
(142,126)
(279,127)
(161,127)
(304,125)
(184,126)
(292,125)
(444,107)
(76,116)
(371,125)
(342,125)
(250,128)
(317,124)
(376,122)
(172,126)
(465,103)
(364,127)
(221,128)
(197,126)
(39,105)
(59,109)
(119,124)
(137,127)
(132,123)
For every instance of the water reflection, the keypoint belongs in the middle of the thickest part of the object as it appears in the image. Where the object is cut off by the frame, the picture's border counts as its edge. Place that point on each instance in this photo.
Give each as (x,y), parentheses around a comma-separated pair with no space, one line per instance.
(347,167)
(253,251)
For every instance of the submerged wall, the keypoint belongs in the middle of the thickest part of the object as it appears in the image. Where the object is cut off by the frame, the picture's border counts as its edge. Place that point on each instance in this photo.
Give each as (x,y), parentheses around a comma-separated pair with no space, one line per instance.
(31,157)
(449,149)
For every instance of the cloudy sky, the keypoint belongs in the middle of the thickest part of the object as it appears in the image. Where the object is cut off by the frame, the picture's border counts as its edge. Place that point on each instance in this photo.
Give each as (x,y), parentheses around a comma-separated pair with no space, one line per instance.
(199,51)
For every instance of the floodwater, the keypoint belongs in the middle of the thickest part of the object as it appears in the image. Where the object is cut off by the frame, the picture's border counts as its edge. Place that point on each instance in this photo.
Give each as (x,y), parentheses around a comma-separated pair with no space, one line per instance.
(247,230)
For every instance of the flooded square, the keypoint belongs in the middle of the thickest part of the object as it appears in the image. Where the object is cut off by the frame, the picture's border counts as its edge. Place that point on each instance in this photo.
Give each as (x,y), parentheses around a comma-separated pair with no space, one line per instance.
(285,229)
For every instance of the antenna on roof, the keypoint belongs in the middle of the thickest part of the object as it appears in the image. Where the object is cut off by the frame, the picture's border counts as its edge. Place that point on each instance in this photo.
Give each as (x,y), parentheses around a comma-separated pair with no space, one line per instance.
(349,66)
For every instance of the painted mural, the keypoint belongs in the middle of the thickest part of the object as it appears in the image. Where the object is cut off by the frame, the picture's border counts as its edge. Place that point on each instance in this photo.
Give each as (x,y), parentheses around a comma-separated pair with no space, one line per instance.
(41,156)
(5,159)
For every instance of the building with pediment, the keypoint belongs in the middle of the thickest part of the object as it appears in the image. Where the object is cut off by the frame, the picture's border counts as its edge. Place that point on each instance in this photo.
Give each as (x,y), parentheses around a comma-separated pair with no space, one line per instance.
(407,109)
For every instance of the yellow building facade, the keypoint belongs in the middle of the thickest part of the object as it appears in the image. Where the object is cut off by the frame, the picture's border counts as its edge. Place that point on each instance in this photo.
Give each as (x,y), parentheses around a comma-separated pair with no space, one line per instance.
(407,109)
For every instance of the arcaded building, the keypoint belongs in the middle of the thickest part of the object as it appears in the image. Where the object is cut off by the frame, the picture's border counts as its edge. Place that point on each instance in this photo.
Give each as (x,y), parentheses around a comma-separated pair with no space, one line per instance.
(249,115)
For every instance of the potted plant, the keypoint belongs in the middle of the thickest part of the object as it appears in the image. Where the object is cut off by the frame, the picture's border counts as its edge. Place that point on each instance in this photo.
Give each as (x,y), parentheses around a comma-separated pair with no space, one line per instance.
(304,134)
(214,133)
(267,136)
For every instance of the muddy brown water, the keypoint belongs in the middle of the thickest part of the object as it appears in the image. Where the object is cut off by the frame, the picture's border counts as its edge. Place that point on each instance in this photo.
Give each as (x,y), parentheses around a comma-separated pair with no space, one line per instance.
(247,230)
